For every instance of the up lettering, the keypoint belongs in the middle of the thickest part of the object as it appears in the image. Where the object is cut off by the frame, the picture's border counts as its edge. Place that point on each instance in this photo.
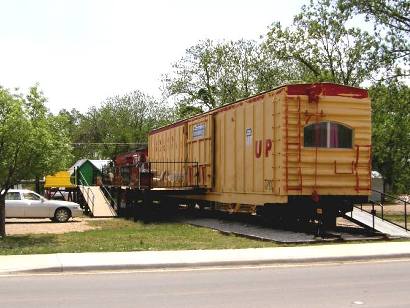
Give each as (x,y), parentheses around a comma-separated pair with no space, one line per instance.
(258,148)
(267,146)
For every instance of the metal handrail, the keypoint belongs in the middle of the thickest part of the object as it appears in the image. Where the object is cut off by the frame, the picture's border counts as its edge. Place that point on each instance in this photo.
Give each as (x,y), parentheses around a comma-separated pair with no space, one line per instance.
(110,199)
(390,196)
(88,190)
(373,212)
(397,199)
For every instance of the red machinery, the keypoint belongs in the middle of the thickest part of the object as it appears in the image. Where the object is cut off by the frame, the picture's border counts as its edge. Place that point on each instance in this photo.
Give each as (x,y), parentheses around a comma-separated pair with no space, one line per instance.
(128,168)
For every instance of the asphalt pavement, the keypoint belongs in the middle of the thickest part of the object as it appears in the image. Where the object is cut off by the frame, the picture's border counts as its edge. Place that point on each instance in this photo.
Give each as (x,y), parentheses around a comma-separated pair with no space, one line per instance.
(360,284)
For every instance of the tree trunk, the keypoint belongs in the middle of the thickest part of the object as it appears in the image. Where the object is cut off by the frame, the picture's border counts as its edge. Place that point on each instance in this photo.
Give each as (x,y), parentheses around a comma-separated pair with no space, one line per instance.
(2,215)
(37,182)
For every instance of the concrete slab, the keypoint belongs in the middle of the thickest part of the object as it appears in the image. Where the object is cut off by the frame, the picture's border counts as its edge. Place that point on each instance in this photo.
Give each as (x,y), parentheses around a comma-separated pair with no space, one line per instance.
(22,263)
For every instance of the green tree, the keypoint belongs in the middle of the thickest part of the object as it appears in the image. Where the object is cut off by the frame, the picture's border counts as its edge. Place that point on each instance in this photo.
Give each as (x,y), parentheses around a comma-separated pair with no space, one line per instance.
(324,47)
(72,120)
(212,74)
(193,82)
(391,133)
(33,142)
(118,125)
(391,20)
(271,71)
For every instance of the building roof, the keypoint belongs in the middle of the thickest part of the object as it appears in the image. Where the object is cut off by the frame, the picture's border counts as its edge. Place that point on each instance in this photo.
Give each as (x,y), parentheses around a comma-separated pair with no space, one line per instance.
(100,163)
(97,163)
(376,175)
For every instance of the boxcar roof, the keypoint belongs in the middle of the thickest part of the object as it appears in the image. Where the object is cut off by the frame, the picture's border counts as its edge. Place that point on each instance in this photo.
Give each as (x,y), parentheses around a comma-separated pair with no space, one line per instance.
(323,88)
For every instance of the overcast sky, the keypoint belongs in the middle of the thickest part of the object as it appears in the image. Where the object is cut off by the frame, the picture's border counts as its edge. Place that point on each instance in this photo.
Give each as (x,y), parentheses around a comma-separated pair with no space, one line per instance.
(83,51)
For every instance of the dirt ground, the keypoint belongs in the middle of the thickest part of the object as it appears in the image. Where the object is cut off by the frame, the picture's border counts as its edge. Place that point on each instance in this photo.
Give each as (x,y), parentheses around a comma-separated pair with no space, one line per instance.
(16,226)
(391,209)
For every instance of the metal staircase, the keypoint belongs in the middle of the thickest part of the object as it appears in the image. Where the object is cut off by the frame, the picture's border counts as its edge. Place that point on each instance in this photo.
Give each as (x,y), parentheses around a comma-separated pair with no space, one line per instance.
(97,202)
(99,205)
(369,217)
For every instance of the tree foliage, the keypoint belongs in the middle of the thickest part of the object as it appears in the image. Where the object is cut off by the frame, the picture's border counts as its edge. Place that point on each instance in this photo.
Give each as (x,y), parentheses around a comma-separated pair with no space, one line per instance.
(391,133)
(320,45)
(198,81)
(391,20)
(118,125)
(212,74)
(325,47)
(33,142)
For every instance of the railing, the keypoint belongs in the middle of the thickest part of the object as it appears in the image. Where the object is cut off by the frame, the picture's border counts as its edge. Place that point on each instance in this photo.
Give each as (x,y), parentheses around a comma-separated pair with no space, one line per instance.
(374,204)
(110,198)
(155,174)
(165,174)
(87,191)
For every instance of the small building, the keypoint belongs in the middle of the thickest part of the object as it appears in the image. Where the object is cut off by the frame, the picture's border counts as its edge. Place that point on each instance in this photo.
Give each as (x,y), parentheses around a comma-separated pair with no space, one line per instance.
(377,187)
(87,171)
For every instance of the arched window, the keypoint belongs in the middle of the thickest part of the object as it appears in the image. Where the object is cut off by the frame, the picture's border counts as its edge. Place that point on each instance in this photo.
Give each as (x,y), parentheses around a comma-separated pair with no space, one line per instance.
(328,135)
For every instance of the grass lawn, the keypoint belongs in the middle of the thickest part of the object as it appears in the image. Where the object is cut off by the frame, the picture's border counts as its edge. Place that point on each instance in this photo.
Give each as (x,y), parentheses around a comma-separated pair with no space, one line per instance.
(123,235)
(398,219)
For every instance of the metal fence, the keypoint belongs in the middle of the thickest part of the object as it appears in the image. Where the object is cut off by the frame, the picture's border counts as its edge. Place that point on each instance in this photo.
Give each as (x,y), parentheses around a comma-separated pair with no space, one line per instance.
(171,174)
(156,174)
(378,208)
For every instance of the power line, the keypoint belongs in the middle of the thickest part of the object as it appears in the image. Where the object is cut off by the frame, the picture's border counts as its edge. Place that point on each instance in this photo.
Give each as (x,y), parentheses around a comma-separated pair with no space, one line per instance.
(109,143)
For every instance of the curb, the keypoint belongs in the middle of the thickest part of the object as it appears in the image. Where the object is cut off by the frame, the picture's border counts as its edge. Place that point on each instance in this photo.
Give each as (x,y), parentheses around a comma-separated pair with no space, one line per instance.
(185,265)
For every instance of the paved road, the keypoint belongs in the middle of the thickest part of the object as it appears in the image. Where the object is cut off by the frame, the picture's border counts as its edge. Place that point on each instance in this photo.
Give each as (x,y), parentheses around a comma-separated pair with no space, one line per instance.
(376,284)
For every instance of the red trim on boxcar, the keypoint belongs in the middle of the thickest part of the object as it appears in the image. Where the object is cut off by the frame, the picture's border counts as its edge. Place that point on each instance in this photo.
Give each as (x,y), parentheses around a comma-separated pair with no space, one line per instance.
(313,90)
(326,89)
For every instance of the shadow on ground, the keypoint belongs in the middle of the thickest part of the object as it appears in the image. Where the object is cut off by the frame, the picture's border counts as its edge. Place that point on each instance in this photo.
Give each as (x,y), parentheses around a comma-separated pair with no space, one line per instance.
(27,221)
(25,241)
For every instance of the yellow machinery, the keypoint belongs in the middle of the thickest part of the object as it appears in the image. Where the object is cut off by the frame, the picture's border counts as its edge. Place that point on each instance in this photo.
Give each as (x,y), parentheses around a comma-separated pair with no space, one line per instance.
(59,179)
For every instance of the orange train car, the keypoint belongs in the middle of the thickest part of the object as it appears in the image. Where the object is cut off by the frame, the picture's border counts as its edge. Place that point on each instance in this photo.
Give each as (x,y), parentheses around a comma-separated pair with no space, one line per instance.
(299,149)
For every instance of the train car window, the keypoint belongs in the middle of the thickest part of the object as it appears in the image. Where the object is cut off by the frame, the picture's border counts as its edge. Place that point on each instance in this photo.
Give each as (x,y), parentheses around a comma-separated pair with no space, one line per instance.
(328,135)
(340,136)
(316,135)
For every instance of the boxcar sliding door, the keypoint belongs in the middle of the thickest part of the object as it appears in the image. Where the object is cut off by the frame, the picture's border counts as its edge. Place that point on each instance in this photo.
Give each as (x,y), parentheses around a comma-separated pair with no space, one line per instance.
(200,151)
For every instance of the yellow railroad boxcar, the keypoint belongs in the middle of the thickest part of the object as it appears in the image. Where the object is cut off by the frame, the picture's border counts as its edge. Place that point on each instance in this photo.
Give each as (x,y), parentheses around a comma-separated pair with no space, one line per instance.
(307,146)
